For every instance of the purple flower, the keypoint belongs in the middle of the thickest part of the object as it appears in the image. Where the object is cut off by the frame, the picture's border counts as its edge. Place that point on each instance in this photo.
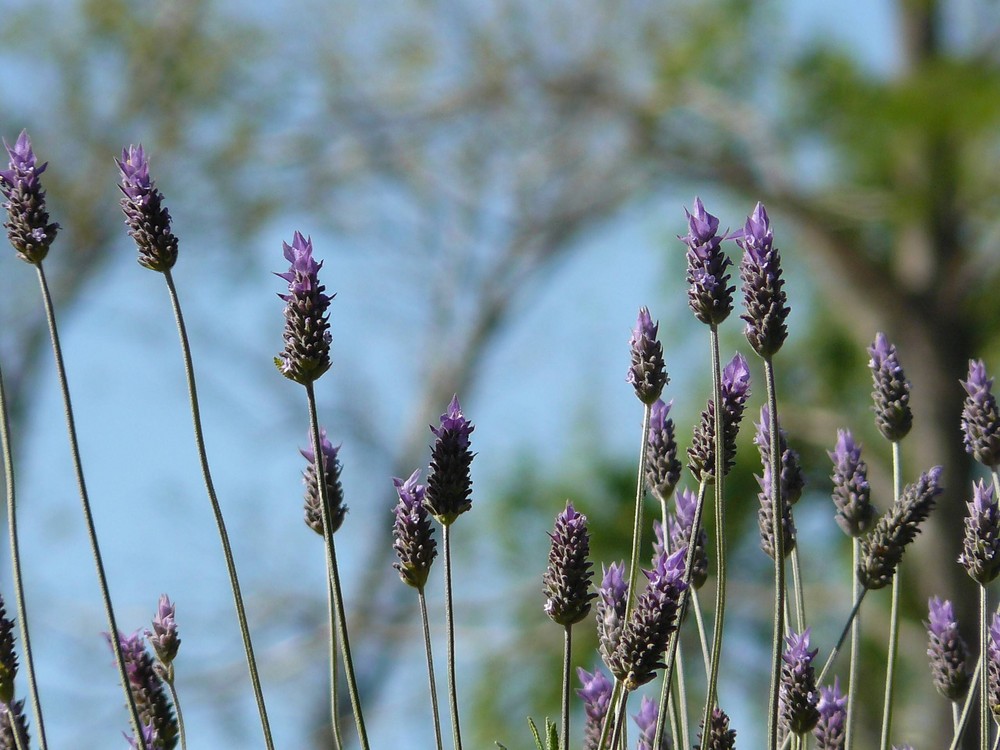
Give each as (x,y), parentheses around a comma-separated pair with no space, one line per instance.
(149,737)
(611,601)
(882,550)
(449,485)
(27,224)
(147,689)
(663,470)
(831,729)
(412,536)
(765,519)
(647,374)
(145,215)
(566,582)
(680,525)
(981,546)
(792,478)
(720,736)
(644,638)
(891,392)
(163,637)
(948,654)
(993,666)
(646,721)
(798,698)
(12,720)
(8,656)
(851,492)
(735,392)
(596,697)
(980,417)
(334,489)
(307,338)
(710,296)
(763,292)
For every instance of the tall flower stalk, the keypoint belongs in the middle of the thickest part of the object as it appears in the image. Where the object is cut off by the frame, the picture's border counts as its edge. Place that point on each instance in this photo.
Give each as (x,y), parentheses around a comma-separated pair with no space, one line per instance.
(31,235)
(148,221)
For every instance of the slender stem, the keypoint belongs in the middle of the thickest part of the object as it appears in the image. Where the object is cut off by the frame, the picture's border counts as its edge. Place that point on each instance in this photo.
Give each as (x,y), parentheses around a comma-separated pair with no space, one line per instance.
(606,725)
(852,674)
(15,564)
(681,735)
(450,620)
(177,709)
(890,664)
(640,486)
(87,514)
(702,635)
(778,532)
(213,499)
(955,710)
(20,741)
(966,709)
(334,571)
(720,531)
(800,600)
(843,636)
(567,657)
(672,701)
(332,644)
(984,711)
(430,667)
(619,740)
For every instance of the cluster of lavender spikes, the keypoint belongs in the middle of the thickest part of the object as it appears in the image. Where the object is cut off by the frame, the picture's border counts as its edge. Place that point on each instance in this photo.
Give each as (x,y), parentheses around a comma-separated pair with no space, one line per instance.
(638,630)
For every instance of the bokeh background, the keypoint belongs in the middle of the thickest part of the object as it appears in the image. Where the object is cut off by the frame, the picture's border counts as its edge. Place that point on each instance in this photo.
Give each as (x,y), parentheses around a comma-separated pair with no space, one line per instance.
(495,187)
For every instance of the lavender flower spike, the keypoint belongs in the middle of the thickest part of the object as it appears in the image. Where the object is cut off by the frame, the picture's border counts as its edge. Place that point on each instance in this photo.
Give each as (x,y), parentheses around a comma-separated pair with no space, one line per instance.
(763,293)
(792,478)
(306,355)
(412,535)
(851,491)
(765,518)
(663,470)
(596,697)
(335,490)
(566,582)
(12,720)
(163,637)
(27,224)
(946,650)
(145,215)
(649,711)
(720,736)
(980,417)
(993,667)
(680,525)
(147,689)
(735,392)
(8,656)
(831,729)
(891,392)
(611,601)
(647,374)
(981,546)
(449,484)
(149,738)
(710,296)
(798,712)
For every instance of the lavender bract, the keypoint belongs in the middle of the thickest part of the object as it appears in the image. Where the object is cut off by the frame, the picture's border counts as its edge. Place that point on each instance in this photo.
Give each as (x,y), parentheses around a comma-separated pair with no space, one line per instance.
(765,518)
(993,666)
(8,656)
(645,720)
(735,392)
(27,225)
(412,534)
(647,373)
(611,600)
(151,700)
(792,479)
(680,525)
(449,484)
(946,650)
(720,736)
(763,293)
(980,417)
(798,698)
(663,469)
(335,491)
(163,637)
(709,294)
(596,697)
(981,545)
(566,581)
(145,215)
(12,720)
(831,728)
(851,491)
(891,392)
(306,355)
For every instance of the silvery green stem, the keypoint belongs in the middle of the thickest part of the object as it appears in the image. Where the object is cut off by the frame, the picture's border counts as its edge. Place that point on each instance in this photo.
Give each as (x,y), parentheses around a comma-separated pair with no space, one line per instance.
(430,667)
(450,620)
(177,709)
(890,664)
(88,516)
(20,741)
(609,717)
(15,565)
(640,487)
(720,531)
(567,657)
(213,499)
(674,702)
(778,531)
(619,739)
(800,601)
(338,739)
(984,708)
(340,618)
(963,720)
(700,622)
(852,675)
(681,734)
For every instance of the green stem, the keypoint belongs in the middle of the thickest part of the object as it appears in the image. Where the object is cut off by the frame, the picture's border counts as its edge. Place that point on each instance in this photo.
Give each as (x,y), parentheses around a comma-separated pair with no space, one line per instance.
(88,516)
(340,618)
(852,674)
(674,702)
(430,667)
(797,588)
(778,532)
(333,642)
(213,499)
(640,494)
(177,709)
(450,620)
(20,741)
(618,740)
(606,725)
(15,563)
(890,666)
(984,711)
(567,657)
(682,733)
(702,636)
(963,720)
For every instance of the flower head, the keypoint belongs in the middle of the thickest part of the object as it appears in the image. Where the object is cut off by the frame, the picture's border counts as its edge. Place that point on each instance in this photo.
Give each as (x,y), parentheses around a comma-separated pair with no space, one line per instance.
(412,535)
(680,524)
(763,293)
(27,224)
(596,697)
(566,582)
(980,417)
(851,492)
(12,723)
(645,720)
(147,689)
(765,519)
(993,666)
(334,489)
(891,392)
(981,545)
(163,637)
(792,478)
(735,392)
(145,215)
(663,470)
(946,650)
(8,656)
(720,736)
(831,729)
(612,596)
(647,373)
(710,296)
(449,485)
(307,338)
(798,697)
